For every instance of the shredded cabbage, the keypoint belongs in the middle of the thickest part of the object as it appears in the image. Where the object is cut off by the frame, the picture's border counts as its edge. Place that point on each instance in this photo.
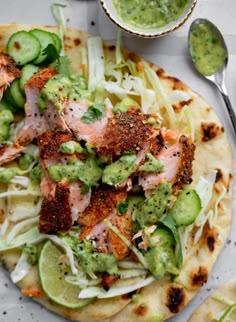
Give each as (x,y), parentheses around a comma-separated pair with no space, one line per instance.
(81,280)
(95,62)
(60,18)
(127,273)
(4,226)
(100,293)
(21,269)
(21,181)
(187,114)
(20,227)
(119,56)
(27,192)
(157,86)
(19,240)
(126,242)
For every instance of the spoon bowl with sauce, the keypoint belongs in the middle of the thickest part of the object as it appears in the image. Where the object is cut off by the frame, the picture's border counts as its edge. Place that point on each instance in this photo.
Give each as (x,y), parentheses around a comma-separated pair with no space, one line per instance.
(209,55)
(148,19)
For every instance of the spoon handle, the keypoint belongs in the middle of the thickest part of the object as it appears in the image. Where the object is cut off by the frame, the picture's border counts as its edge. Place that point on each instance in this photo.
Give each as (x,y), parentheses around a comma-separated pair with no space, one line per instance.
(230,110)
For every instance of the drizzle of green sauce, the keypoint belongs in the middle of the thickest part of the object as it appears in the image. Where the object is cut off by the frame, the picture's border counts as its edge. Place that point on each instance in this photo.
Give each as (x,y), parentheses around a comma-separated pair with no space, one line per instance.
(149,14)
(207,49)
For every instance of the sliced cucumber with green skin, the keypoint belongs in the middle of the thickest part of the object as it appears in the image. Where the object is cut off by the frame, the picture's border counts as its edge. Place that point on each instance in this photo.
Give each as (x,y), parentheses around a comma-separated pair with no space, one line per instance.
(27,72)
(7,96)
(57,42)
(4,105)
(186,208)
(45,38)
(4,132)
(23,47)
(16,94)
(6,117)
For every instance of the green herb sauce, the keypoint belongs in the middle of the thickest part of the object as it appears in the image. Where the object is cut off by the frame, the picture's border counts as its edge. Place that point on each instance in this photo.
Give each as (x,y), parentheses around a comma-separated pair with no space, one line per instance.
(207,49)
(149,14)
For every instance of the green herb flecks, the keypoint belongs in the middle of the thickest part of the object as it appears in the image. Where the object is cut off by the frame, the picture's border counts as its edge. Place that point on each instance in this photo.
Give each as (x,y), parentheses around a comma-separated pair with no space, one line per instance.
(94,113)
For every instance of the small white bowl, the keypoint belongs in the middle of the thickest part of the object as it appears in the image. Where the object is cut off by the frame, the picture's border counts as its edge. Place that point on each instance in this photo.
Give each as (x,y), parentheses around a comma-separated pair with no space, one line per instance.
(111,12)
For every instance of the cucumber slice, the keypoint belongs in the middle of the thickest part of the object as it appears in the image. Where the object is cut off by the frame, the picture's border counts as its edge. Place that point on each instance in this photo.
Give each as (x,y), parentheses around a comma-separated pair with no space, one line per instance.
(8,98)
(23,47)
(4,132)
(57,42)
(45,38)
(16,94)
(27,72)
(186,208)
(4,105)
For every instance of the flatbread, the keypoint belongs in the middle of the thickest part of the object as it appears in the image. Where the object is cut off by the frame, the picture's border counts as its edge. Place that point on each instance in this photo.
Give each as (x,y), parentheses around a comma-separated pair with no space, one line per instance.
(216,303)
(162,298)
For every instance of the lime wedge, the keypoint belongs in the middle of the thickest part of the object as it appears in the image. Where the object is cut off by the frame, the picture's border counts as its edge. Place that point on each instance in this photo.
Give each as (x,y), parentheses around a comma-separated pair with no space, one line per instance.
(52,276)
(229,315)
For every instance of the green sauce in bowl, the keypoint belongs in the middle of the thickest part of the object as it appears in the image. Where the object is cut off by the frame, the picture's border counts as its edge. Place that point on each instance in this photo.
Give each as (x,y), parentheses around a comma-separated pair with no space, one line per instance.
(150,14)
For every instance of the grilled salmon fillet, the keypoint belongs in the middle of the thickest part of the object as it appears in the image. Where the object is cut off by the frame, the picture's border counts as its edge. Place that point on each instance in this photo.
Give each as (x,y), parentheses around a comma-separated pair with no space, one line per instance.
(103,205)
(126,132)
(65,197)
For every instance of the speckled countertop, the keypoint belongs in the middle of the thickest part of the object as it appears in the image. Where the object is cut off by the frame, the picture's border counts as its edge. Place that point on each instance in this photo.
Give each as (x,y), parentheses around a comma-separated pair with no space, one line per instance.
(171,53)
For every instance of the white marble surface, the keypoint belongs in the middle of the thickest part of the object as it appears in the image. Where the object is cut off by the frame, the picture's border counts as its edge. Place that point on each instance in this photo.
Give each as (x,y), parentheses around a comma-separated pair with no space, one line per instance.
(171,53)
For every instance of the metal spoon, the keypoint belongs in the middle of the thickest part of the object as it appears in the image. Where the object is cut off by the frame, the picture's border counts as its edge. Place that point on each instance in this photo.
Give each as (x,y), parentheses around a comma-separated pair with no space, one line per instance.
(218,76)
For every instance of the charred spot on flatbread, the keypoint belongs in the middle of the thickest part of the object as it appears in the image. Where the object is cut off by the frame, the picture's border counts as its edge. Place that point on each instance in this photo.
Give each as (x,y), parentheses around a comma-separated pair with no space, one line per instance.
(77,41)
(210,131)
(140,310)
(179,105)
(199,276)
(219,175)
(211,237)
(176,83)
(175,298)
(111,48)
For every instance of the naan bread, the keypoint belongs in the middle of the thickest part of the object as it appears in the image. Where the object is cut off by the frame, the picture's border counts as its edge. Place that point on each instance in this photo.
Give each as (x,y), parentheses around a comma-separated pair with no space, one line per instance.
(216,304)
(163,298)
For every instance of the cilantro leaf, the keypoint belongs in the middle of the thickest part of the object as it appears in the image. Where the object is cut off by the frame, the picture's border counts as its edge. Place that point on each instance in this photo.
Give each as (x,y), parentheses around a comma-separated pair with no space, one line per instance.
(168,222)
(51,54)
(122,207)
(62,66)
(85,189)
(94,113)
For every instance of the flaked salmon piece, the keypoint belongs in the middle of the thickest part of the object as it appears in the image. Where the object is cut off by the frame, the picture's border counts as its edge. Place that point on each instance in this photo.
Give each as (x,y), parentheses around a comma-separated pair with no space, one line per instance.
(91,133)
(47,186)
(104,199)
(55,213)
(128,131)
(107,241)
(78,202)
(8,72)
(154,145)
(35,123)
(55,120)
(49,143)
(9,153)
(103,205)
(177,160)
(73,200)
(62,206)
